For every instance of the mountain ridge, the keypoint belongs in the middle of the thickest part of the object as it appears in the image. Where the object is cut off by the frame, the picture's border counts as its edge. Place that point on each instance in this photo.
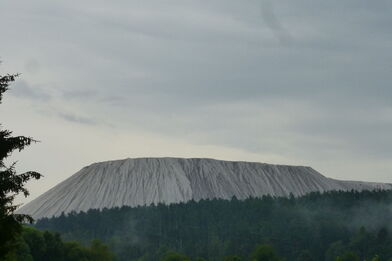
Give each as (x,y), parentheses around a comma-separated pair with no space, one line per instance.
(167,180)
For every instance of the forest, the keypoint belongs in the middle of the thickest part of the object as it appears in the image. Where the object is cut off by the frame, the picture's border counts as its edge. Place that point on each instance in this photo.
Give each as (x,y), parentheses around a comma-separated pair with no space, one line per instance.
(35,245)
(319,226)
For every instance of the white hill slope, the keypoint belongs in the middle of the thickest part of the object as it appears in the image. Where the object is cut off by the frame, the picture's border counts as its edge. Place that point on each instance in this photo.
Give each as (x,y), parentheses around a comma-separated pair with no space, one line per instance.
(144,181)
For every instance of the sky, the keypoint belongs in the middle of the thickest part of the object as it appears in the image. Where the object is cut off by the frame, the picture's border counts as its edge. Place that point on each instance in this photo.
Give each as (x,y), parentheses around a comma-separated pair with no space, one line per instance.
(304,82)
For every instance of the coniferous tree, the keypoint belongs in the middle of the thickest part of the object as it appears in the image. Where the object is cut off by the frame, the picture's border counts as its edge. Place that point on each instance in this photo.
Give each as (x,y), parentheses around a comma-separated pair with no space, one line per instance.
(265,253)
(100,252)
(174,256)
(305,256)
(349,256)
(11,183)
(232,258)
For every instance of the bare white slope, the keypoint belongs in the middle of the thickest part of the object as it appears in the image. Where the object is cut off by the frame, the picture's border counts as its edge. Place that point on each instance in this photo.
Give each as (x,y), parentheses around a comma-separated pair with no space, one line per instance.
(145,181)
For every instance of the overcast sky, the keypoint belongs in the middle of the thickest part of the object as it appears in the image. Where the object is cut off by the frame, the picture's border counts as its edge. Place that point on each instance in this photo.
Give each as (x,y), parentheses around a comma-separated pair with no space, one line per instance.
(288,82)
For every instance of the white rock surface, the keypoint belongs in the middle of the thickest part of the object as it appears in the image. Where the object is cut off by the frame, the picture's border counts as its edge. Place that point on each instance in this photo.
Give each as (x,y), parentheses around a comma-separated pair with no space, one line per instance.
(145,181)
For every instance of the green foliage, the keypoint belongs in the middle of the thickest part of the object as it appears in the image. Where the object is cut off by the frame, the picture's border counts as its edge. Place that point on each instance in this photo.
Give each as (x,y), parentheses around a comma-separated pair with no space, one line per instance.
(313,227)
(36,242)
(349,256)
(376,258)
(173,256)
(232,258)
(305,256)
(11,183)
(100,252)
(73,251)
(335,249)
(23,252)
(264,253)
(35,245)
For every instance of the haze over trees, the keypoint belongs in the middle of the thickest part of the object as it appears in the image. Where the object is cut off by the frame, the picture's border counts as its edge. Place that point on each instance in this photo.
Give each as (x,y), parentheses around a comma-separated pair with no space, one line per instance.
(314,227)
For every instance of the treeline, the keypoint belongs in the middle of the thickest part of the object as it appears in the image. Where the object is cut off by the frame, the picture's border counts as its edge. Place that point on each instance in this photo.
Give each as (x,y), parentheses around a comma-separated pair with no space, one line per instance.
(264,253)
(35,245)
(314,227)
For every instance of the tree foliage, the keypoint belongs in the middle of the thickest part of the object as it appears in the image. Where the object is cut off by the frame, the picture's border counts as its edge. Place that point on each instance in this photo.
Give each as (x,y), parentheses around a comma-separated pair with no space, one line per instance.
(314,227)
(265,253)
(174,256)
(35,245)
(11,183)
(348,256)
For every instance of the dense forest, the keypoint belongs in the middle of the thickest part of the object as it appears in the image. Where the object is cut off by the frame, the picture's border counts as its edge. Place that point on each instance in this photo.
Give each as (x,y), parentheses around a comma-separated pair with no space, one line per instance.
(313,227)
(35,245)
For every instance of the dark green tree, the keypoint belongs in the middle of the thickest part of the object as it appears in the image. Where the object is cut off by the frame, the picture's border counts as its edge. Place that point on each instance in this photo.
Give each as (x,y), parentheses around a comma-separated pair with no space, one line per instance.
(100,252)
(54,247)
(264,253)
(199,259)
(174,256)
(349,256)
(74,251)
(376,258)
(232,258)
(335,249)
(47,246)
(305,256)
(36,241)
(11,183)
(22,252)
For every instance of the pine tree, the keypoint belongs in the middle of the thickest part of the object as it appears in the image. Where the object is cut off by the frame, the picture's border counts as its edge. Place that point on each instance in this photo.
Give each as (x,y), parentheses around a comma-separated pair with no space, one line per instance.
(11,183)
(265,253)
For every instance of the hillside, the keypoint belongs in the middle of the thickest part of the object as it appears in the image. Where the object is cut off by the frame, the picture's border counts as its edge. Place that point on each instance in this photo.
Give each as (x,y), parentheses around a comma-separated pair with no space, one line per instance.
(146,181)
(323,225)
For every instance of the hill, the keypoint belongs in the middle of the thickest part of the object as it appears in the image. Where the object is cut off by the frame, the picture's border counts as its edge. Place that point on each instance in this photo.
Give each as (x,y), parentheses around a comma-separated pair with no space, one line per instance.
(146,181)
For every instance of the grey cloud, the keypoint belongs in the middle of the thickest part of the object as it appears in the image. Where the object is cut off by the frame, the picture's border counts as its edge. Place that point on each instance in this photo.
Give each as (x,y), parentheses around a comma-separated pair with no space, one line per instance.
(32,66)
(283,77)
(270,19)
(22,89)
(271,71)
(77,118)
(83,94)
